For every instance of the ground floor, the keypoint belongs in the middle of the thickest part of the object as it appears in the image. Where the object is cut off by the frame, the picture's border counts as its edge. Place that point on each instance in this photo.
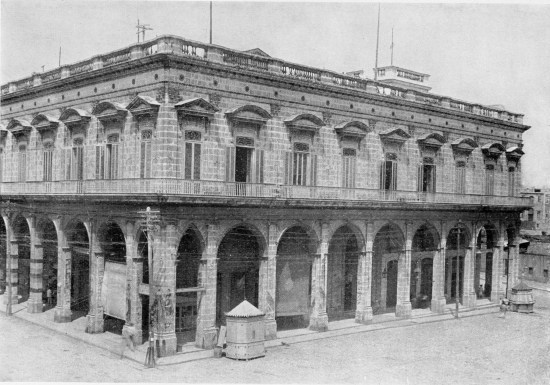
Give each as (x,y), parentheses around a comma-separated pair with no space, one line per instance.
(176,271)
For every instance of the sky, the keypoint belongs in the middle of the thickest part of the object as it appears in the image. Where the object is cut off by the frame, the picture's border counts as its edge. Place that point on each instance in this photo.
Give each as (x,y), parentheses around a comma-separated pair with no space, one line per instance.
(484,53)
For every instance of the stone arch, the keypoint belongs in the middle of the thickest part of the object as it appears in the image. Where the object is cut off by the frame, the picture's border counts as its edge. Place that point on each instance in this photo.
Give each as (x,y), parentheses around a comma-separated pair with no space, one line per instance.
(425,244)
(78,239)
(487,240)
(312,232)
(112,241)
(458,241)
(296,250)
(344,248)
(239,253)
(22,235)
(46,232)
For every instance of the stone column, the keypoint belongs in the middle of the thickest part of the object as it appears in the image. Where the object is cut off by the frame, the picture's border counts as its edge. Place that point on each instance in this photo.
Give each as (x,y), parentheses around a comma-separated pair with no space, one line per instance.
(208,275)
(497,288)
(403,307)
(268,283)
(469,297)
(438,283)
(63,311)
(35,304)
(94,318)
(363,313)
(318,319)
(134,274)
(12,278)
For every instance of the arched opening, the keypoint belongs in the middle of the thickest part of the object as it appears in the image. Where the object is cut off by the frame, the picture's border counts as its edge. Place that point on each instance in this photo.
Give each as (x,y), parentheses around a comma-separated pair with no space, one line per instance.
(457,243)
(424,245)
(388,244)
(187,275)
(238,270)
(113,290)
(343,256)
(79,243)
(3,249)
(294,264)
(483,270)
(49,266)
(22,235)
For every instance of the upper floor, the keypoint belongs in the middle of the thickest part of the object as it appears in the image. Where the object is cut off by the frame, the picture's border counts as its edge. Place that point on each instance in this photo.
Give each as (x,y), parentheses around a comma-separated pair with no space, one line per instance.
(170,118)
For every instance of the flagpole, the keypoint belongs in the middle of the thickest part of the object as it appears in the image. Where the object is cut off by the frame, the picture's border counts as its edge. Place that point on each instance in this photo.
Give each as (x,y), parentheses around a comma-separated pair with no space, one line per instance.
(377,41)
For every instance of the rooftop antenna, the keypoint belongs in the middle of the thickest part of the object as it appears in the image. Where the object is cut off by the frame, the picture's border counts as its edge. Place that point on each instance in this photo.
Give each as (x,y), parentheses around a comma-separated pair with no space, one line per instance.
(391,47)
(210,22)
(59,56)
(142,28)
(377,40)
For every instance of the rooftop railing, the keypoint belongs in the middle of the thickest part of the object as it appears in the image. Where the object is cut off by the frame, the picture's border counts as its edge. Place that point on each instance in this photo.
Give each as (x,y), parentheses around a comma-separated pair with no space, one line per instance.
(178,46)
(203,188)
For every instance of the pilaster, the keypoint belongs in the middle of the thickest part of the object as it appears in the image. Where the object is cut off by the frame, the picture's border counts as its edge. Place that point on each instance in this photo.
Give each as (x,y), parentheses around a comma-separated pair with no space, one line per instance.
(268,282)
(469,297)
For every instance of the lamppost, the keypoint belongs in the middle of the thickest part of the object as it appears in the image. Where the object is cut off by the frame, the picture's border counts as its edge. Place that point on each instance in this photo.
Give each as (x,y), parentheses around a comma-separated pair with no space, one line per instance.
(457,286)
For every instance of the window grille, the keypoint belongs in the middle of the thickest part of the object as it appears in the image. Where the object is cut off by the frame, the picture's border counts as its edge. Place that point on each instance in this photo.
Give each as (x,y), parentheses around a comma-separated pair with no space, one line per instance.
(245,141)
(301,147)
(193,135)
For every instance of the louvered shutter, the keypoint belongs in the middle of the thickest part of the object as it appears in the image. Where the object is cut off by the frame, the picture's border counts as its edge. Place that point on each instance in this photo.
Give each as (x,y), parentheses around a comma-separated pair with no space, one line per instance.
(313,170)
(434,182)
(288,168)
(383,175)
(197,161)
(420,177)
(142,160)
(259,172)
(68,167)
(393,176)
(99,162)
(114,162)
(230,164)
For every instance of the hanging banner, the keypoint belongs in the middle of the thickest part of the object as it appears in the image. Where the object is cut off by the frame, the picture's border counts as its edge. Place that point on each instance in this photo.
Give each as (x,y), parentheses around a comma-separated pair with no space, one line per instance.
(293,287)
(113,290)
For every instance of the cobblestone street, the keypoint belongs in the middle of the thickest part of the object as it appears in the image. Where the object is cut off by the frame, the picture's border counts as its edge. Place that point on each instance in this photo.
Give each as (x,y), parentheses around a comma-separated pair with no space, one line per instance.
(481,349)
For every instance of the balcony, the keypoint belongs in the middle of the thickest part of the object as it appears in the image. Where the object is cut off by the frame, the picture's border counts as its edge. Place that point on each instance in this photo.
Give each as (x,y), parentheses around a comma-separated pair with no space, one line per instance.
(180,188)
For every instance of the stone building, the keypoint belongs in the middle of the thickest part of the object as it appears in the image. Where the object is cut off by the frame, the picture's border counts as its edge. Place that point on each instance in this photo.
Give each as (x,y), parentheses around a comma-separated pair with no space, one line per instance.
(316,196)
(536,220)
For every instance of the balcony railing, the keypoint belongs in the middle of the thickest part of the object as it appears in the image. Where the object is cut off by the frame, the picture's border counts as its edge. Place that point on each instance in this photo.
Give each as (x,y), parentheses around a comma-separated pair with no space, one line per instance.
(183,47)
(203,188)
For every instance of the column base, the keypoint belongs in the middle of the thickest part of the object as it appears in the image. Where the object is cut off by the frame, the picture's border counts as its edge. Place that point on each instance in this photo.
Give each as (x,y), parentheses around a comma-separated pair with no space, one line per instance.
(35,306)
(206,338)
(469,300)
(403,310)
(319,323)
(270,326)
(95,323)
(364,316)
(166,344)
(62,315)
(438,305)
(14,299)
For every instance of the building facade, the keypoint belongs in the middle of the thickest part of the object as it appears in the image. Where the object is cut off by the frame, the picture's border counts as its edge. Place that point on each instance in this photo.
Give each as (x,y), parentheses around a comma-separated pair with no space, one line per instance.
(536,220)
(314,195)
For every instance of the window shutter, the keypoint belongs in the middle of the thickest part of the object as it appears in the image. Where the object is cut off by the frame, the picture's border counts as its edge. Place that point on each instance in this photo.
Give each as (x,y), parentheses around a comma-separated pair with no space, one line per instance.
(197,161)
(259,166)
(313,170)
(68,154)
(383,175)
(420,177)
(142,160)
(288,168)
(114,161)
(230,164)
(434,182)
(353,171)
(394,175)
(99,162)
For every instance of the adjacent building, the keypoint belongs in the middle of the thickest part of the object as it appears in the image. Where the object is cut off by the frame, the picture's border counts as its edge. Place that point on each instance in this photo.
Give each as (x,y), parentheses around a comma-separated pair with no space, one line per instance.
(536,220)
(314,195)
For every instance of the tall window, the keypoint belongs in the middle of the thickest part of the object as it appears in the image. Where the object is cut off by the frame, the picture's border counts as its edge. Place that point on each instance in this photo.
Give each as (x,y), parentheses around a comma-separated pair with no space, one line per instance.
(348,172)
(301,166)
(192,167)
(244,162)
(426,176)
(489,179)
(1,162)
(145,154)
(388,173)
(22,166)
(47,161)
(107,159)
(511,181)
(460,178)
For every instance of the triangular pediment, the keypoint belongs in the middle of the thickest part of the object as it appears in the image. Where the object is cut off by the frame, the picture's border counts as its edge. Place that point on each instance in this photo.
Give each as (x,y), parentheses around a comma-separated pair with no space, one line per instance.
(196,107)
(248,113)
(44,122)
(394,135)
(493,150)
(143,105)
(354,129)
(19,127)
(464,145)
(109,111)
(432,140)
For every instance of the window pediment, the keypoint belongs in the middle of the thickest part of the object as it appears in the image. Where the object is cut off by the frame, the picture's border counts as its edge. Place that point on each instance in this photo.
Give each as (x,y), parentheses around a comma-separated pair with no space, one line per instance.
(196,107)
(248,114)
(143,106)
(352,130)
(493,150)
(432,141)
(43,122)
(109,111)
(394,135)
(74,116)
(19,128)
(514,153)
(305,123)
(464,146)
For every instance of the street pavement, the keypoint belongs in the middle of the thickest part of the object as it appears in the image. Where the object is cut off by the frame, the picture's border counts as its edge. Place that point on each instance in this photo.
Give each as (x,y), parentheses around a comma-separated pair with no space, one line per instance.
(481,349)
